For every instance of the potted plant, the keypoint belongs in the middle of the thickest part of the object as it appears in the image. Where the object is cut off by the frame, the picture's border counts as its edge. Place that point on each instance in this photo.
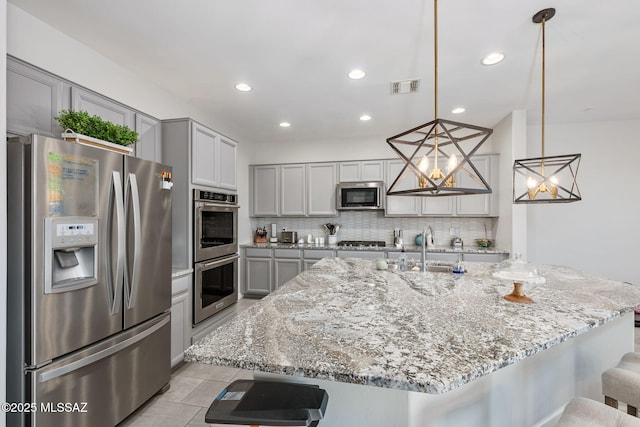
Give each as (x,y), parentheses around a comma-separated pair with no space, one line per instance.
(84,128)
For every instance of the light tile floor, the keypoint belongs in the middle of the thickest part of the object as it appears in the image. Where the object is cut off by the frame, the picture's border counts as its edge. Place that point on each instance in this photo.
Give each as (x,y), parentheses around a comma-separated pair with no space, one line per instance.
(193,388)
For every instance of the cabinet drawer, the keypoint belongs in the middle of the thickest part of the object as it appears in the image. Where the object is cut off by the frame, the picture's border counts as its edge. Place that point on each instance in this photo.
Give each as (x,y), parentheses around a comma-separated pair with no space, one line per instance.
(409,255)
(318,253)
(362,254)
(258,253)
(444,256)
(286,253)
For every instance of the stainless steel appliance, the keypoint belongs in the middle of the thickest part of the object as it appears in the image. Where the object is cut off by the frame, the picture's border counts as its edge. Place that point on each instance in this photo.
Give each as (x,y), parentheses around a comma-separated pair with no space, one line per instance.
(360,195)
(288,236)
(215,283)
(369,243)
(89,269)
(215,225)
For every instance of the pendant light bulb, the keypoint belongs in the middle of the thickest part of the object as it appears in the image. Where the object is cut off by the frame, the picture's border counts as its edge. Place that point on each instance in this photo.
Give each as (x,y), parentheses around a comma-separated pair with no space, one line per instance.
(531,183)
(452,163)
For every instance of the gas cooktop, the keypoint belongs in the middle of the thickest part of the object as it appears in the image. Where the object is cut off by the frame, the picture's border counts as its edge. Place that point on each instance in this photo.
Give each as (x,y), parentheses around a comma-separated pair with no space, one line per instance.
(371,243)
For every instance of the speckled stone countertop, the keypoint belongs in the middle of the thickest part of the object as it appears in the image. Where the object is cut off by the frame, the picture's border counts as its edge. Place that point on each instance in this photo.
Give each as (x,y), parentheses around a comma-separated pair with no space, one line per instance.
(389,248)
(343,320)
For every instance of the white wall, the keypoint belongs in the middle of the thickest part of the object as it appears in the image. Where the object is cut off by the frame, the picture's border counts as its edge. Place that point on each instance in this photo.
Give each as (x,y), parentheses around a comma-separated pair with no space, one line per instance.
(509,139)
(600,233)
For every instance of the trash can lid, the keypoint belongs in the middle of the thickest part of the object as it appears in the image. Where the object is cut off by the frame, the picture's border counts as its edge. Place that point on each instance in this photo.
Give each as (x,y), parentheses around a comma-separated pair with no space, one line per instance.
(268,403)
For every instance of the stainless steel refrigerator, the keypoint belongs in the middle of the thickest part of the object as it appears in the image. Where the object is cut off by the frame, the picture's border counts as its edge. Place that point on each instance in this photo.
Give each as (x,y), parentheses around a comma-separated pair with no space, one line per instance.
(89,282)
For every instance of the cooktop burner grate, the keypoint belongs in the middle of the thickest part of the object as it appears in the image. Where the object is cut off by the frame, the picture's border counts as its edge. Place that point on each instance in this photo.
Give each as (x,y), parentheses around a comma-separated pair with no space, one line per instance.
(371,243)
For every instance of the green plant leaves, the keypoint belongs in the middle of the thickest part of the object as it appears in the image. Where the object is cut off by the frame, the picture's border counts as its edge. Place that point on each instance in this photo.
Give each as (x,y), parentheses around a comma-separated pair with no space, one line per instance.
(83,123)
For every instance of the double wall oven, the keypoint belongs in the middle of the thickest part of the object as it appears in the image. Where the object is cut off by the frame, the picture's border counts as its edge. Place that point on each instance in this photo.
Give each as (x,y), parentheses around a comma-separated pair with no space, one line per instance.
(215,252)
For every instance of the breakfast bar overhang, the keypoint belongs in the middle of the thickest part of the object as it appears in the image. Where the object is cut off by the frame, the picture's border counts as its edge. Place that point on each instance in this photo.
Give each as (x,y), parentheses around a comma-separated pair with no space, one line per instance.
(429,349)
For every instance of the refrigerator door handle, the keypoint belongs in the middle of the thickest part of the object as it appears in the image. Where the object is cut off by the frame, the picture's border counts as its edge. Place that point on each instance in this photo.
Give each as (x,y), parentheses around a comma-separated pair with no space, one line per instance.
(74,366)
(130,279)
(115,284)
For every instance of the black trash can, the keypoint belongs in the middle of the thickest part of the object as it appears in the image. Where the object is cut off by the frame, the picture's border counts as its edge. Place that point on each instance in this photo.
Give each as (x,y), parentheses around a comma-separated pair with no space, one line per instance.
(268,403)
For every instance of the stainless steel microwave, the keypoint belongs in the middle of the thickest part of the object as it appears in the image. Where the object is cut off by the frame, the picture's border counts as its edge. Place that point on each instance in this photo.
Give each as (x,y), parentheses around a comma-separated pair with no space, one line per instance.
(360,195)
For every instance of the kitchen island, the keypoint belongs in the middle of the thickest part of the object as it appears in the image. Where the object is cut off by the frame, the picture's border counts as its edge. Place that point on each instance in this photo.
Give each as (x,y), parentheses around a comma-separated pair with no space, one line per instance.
(427,349)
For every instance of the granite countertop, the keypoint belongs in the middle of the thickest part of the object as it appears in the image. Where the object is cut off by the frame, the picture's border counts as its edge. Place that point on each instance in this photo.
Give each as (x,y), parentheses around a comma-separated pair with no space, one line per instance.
(343,320)
(388,248)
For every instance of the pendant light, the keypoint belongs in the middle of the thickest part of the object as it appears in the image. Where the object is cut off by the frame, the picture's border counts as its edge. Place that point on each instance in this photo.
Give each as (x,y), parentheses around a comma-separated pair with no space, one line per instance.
(550,179)
(437,154)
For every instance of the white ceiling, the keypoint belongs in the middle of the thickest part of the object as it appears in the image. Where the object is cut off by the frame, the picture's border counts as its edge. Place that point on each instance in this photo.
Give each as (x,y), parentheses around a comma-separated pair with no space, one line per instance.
(296,54)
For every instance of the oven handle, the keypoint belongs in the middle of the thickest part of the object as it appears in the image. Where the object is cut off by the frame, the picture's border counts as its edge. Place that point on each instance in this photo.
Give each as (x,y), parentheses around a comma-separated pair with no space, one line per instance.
(226,207)
(217,262)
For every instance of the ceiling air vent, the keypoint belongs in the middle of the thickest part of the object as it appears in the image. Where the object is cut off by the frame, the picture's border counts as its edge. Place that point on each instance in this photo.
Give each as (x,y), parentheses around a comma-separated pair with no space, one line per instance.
(405,86)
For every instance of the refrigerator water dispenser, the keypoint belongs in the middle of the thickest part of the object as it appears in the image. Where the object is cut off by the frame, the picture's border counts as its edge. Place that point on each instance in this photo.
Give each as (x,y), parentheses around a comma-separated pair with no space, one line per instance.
(71,254)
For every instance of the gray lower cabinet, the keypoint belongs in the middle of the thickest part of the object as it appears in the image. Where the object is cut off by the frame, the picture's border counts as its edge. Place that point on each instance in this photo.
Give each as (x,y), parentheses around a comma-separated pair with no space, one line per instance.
(311,256)
(361,254)
(287,264)
(258,276)
(180,317)
(34,98)
(484,257)
(443,256)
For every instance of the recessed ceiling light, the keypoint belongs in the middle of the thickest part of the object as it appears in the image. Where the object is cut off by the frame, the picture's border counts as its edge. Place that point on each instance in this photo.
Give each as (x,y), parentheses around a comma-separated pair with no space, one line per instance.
(493,58)
(365,117)
(458,110)
(243,87)
(285,124)
(356,74)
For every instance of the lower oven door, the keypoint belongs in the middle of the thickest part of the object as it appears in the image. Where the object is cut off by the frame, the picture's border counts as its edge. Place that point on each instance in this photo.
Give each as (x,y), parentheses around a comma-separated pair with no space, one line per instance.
(215,286)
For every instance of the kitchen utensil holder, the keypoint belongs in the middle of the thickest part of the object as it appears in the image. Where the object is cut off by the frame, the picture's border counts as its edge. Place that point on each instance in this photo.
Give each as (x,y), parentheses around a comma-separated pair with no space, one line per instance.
(332,239)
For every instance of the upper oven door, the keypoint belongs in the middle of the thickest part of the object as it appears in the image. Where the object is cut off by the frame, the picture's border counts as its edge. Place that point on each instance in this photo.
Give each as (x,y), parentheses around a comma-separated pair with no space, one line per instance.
(215,230)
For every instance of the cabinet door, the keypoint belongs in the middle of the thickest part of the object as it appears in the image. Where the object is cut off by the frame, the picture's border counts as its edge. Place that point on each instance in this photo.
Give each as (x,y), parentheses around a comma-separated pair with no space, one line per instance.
(98,105)
(34,98)
(227,160)
(401,205)
(361,254)
(477,204)
(321,190)
(441,256)
(484,257)
(265,197)
(203,155)
(292,190)
(286,269)
(372,170)
(179,326)
(349,171)
(149,145)
(258,276)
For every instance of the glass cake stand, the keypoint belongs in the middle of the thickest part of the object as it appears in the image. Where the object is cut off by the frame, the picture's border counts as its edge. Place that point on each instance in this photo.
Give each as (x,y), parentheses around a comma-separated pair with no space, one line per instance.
(520,272)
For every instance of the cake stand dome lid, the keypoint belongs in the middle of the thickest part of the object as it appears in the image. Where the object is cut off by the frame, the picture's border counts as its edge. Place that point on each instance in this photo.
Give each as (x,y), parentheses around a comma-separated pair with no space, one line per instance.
(518,270)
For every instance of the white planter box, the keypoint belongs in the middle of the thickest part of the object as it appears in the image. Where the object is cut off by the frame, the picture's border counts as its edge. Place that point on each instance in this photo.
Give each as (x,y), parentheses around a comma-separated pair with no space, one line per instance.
(95,142)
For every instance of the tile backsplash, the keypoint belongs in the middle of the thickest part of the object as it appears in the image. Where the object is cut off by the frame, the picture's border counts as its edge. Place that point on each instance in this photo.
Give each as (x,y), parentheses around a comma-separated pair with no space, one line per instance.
(373,225)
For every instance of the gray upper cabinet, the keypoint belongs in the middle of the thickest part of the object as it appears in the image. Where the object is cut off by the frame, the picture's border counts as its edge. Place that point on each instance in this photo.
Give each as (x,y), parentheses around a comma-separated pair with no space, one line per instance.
(213,158)
(265,190)
(149,145)
(366,170)
(203,155)
(401,205)
(228,155)
(98,105)
(476,205)
(321,188)
(34,98)
(293,190)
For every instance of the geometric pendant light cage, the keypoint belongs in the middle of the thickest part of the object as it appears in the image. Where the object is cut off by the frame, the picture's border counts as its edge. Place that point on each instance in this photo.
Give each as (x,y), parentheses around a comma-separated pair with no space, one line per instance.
(437,154)
(543,179)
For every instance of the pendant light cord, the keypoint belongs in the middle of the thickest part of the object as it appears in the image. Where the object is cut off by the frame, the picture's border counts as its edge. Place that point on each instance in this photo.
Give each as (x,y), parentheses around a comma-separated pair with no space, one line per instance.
(543,92)
(435,77)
